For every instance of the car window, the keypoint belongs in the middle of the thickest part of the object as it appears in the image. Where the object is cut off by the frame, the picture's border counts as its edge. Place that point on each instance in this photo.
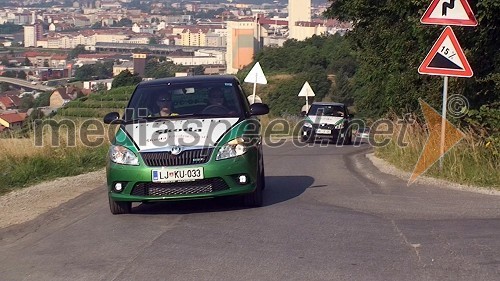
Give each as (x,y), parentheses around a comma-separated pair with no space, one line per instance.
(327,110)
(193,100)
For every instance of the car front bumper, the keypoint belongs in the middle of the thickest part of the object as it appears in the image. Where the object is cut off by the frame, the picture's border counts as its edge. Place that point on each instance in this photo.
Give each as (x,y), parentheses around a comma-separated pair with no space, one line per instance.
(220,179)
(312,133)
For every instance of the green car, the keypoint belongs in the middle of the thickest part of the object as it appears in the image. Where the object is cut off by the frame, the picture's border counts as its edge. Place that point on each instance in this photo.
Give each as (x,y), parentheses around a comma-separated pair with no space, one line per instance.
(186,138)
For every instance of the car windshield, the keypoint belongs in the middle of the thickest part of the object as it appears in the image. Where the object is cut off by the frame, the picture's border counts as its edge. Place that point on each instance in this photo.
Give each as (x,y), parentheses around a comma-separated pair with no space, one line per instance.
(326,110)
(177,100)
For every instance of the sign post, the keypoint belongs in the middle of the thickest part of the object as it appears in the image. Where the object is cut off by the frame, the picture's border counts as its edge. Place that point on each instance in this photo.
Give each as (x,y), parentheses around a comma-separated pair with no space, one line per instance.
(306,92)
(446,58)
(255,76)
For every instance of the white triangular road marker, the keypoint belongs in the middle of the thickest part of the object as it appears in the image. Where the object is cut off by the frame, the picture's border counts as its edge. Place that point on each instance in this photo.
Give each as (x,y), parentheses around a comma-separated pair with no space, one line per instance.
(256,75)
(306,91)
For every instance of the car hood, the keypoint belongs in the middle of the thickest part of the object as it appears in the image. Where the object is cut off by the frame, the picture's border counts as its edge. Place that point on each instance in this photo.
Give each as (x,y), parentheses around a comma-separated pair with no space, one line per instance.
(317,119)
(160,135)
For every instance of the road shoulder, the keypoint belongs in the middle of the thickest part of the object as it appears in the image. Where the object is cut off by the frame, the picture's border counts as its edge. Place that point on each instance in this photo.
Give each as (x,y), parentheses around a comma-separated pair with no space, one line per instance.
(28,203)
(387,168)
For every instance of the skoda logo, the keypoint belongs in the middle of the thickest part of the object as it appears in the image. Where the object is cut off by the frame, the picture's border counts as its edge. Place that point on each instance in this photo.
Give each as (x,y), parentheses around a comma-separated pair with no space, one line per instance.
(176,150)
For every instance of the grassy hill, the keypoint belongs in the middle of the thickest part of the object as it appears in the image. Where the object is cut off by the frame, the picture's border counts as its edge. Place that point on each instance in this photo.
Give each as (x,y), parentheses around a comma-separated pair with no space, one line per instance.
(71,153)
(99,104)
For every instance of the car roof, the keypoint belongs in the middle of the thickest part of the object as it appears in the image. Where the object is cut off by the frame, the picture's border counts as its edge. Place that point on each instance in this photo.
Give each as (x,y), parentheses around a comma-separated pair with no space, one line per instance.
(190,79)
(328,103)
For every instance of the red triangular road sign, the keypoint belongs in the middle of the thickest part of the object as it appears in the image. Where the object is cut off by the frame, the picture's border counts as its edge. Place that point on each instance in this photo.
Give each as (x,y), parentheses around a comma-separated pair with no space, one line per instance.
(449,12)
(446,58)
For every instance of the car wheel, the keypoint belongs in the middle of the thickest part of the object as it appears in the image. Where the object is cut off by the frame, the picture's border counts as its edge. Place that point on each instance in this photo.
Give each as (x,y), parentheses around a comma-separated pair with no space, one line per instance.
(304,139)
(256,198)
(307,138)
(119,207)
(347,140)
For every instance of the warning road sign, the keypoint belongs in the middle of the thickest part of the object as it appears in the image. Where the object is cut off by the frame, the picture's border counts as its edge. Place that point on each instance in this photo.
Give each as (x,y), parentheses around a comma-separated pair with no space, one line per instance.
(446,58)
(306,91)
(256,75)
(449,12)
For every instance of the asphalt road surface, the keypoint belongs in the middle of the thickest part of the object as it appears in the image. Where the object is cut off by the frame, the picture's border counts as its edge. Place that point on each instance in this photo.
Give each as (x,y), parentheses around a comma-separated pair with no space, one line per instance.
(328,215)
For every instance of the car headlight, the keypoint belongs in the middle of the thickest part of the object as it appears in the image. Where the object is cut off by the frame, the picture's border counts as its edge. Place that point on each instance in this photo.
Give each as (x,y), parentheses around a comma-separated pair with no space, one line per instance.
(308,125)
(122,155)
(339,126)
(233,148)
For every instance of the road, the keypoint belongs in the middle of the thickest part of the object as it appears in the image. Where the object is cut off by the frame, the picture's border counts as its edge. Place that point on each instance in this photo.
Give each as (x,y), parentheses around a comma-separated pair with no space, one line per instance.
(329,214)
(26,84)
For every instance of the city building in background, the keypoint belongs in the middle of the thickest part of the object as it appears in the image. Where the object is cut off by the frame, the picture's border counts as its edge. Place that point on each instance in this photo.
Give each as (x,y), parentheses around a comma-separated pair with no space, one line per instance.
(243,41)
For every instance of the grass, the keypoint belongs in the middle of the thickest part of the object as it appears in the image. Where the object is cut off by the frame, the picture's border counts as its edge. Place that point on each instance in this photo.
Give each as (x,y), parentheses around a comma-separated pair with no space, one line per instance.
(288,125)
(470,162)
(23,164)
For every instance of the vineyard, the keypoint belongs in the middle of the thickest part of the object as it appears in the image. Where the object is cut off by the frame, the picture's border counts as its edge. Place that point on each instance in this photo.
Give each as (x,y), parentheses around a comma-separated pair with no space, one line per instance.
(97,105)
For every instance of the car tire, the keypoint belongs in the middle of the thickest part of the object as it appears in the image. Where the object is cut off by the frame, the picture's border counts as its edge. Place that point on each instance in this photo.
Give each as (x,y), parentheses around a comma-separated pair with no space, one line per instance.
(256,198)
(307,139)
(119,207)
(347,140)
(304,139)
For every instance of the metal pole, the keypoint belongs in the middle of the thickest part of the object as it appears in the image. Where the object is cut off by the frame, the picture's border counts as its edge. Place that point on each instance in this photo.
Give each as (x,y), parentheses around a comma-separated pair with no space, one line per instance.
(443,121)
(254,90)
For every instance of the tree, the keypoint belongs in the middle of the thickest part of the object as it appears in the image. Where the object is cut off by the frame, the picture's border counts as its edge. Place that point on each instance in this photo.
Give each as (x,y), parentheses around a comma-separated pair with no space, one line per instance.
(5,60)
(99,87)
(27,102)
(97,25)
(156,69)
(125,78)
(27,61)
(21,75)
(390,43)
(10,74)
(199,70)
(42,100)
(79,49)
(123,22)
(153,41)
(10,28)
(4,87)
(94,71)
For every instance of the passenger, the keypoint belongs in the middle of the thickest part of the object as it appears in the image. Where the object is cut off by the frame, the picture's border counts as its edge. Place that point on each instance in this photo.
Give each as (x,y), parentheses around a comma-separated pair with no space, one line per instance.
(217,103)
(216,97)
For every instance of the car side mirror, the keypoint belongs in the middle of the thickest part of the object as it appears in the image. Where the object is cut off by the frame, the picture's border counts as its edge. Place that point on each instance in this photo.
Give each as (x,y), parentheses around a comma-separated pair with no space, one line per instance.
(112,118)
(259,109)
(303,113)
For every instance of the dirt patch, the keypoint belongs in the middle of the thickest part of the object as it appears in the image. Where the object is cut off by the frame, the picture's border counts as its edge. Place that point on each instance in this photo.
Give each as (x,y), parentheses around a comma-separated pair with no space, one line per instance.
(26,204)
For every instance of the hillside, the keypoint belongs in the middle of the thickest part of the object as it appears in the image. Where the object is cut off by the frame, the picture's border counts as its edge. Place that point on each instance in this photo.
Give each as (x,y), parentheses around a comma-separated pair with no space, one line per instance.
(97,105)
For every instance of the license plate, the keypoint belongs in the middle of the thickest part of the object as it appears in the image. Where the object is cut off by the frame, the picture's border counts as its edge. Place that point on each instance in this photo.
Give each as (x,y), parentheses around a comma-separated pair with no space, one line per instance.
(174,175)
(323,131)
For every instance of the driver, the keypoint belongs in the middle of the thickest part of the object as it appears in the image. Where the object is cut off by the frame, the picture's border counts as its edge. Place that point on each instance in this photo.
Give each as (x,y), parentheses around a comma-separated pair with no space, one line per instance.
(164,105)
(216,97)
(217,103)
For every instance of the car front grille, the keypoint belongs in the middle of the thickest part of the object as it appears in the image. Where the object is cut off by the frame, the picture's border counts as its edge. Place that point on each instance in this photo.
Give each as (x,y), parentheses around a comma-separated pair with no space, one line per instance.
(180,188)
(166,158)
(324,126)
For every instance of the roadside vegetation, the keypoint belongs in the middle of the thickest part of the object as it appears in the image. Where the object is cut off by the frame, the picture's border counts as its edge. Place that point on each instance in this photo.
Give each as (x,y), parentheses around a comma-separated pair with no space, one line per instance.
(470,162)
(23,163)
(374,69)
(390,43)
